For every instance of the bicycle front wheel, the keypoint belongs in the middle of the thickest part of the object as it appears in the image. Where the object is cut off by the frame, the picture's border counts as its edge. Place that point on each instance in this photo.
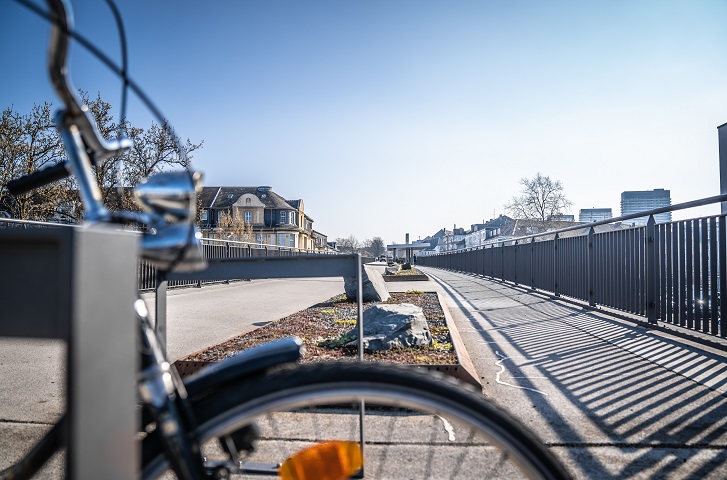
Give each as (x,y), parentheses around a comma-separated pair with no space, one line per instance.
(416,425)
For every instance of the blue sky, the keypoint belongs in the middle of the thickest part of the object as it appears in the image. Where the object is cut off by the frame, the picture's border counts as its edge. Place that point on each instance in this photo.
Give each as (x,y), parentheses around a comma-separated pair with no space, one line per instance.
(395,117)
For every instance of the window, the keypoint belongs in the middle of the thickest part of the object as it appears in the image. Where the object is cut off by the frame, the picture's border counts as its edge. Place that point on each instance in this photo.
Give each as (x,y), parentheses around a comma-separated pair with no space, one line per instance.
(248,217)
(281,239)
(283,217)
(248,201)
(203,216)
(259,238)
(292,241)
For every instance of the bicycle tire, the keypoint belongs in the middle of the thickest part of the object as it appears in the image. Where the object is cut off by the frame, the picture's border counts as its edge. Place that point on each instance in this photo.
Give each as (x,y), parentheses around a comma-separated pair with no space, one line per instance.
(302,389)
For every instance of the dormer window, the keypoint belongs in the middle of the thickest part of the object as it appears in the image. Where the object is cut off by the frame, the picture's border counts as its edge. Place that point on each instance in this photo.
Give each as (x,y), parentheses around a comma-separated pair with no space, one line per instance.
(283,218)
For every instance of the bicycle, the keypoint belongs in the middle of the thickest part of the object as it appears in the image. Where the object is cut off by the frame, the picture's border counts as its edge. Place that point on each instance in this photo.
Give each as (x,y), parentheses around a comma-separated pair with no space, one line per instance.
(261,411)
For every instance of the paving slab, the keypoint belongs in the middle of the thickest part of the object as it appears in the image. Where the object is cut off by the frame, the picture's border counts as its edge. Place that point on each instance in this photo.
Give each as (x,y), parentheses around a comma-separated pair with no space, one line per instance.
(610,398)
(33,373)
(613,399)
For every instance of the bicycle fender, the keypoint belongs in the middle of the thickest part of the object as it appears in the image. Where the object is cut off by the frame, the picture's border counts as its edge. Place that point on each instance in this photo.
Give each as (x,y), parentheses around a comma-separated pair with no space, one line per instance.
(244,364)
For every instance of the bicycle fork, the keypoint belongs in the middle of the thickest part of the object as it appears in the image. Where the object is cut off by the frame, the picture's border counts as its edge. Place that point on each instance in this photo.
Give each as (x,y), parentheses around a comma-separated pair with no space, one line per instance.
(162,391)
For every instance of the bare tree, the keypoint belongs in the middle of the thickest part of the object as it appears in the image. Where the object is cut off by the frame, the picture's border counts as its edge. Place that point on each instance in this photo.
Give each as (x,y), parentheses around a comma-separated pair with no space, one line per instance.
(374,246)
(154,150)
(31,142)
(540,200)
(235,228)
(28,143)
(348,245)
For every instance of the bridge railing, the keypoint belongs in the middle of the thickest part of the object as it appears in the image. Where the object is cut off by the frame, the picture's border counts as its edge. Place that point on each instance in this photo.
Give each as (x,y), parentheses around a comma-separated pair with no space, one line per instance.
(213,248)
(220,249)
(670,272)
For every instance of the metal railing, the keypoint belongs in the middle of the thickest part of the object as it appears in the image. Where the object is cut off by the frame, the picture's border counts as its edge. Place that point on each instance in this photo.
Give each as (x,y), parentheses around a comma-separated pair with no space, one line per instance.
(213,248)
(216,249)
(669,272)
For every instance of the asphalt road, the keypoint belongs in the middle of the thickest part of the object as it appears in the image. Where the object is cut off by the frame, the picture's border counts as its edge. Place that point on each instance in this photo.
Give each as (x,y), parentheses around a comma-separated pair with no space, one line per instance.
(200,317)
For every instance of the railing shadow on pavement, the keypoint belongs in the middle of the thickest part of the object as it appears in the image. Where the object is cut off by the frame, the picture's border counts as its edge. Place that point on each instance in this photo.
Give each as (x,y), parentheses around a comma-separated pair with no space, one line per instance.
(655,403)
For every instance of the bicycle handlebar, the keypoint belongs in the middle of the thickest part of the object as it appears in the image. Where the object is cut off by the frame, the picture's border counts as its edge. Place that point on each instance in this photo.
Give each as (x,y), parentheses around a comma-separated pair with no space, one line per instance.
(170,203)
(95,147)
(39,178)
(99,148)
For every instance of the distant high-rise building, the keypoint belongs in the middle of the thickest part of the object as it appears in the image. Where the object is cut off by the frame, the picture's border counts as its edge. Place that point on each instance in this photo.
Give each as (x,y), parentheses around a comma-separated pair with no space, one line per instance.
(642,201)
(588,215)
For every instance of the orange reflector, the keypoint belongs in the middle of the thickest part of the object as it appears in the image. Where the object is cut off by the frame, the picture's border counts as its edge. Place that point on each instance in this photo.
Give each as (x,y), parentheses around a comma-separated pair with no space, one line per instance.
(334,460)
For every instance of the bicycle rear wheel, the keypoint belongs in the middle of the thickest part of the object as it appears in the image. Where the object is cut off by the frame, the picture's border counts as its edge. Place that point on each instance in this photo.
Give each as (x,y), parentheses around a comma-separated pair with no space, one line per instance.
(417,425)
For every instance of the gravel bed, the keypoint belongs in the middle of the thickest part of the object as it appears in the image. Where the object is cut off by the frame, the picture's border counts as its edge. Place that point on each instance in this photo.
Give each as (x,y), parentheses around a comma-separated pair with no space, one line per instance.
(323,328)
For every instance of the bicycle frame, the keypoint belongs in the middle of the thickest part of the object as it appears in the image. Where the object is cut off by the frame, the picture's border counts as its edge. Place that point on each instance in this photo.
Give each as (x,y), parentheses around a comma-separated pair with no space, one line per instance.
(171,245)
(170,405)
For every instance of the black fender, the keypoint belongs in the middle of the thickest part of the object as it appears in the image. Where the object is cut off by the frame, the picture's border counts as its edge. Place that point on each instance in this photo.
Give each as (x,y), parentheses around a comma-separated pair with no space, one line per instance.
(243,365)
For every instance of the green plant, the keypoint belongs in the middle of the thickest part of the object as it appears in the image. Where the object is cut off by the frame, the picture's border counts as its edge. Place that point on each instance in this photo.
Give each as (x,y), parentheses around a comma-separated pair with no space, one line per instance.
(411,271)
(344,321)
(340,341)
(437,330)
(415,292)
(443,346)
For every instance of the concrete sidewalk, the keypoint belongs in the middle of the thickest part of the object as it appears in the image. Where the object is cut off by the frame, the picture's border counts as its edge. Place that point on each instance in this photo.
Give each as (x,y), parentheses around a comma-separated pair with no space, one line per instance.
(32,371)
(612,399)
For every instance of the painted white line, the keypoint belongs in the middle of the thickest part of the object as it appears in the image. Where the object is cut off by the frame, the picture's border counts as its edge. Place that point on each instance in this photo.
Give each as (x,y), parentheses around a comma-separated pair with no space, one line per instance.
(502,369)
(448,427)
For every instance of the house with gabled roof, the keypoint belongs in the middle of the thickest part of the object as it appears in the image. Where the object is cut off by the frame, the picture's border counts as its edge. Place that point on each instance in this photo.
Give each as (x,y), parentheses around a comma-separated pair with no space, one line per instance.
(273,219)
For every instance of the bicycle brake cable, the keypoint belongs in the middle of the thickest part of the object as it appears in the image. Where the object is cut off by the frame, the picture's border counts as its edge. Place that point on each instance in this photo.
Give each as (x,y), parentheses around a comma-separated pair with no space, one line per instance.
(122,73)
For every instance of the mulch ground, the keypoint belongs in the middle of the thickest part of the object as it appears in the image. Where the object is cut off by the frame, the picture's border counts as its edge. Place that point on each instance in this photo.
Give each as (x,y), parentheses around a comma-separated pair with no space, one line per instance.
(324,330)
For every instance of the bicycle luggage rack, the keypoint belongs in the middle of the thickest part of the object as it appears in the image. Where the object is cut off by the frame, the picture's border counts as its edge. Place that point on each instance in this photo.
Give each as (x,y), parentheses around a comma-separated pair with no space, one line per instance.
(63,284)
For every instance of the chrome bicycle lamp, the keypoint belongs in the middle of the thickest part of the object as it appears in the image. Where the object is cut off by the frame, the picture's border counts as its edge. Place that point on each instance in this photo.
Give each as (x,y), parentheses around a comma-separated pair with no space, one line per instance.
(173,195)
(175,247)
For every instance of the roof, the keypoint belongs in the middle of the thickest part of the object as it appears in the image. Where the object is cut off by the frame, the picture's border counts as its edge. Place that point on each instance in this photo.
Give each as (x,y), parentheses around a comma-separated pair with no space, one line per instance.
(499,222)
(523,228)
(225,197)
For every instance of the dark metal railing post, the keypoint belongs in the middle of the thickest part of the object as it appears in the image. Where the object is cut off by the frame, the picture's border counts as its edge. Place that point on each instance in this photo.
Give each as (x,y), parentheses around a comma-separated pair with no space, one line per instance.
(502,262)
(591,267)
(689,266)
(722,301)
(532,263)
(651,270)
(556,289)
(515,263)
